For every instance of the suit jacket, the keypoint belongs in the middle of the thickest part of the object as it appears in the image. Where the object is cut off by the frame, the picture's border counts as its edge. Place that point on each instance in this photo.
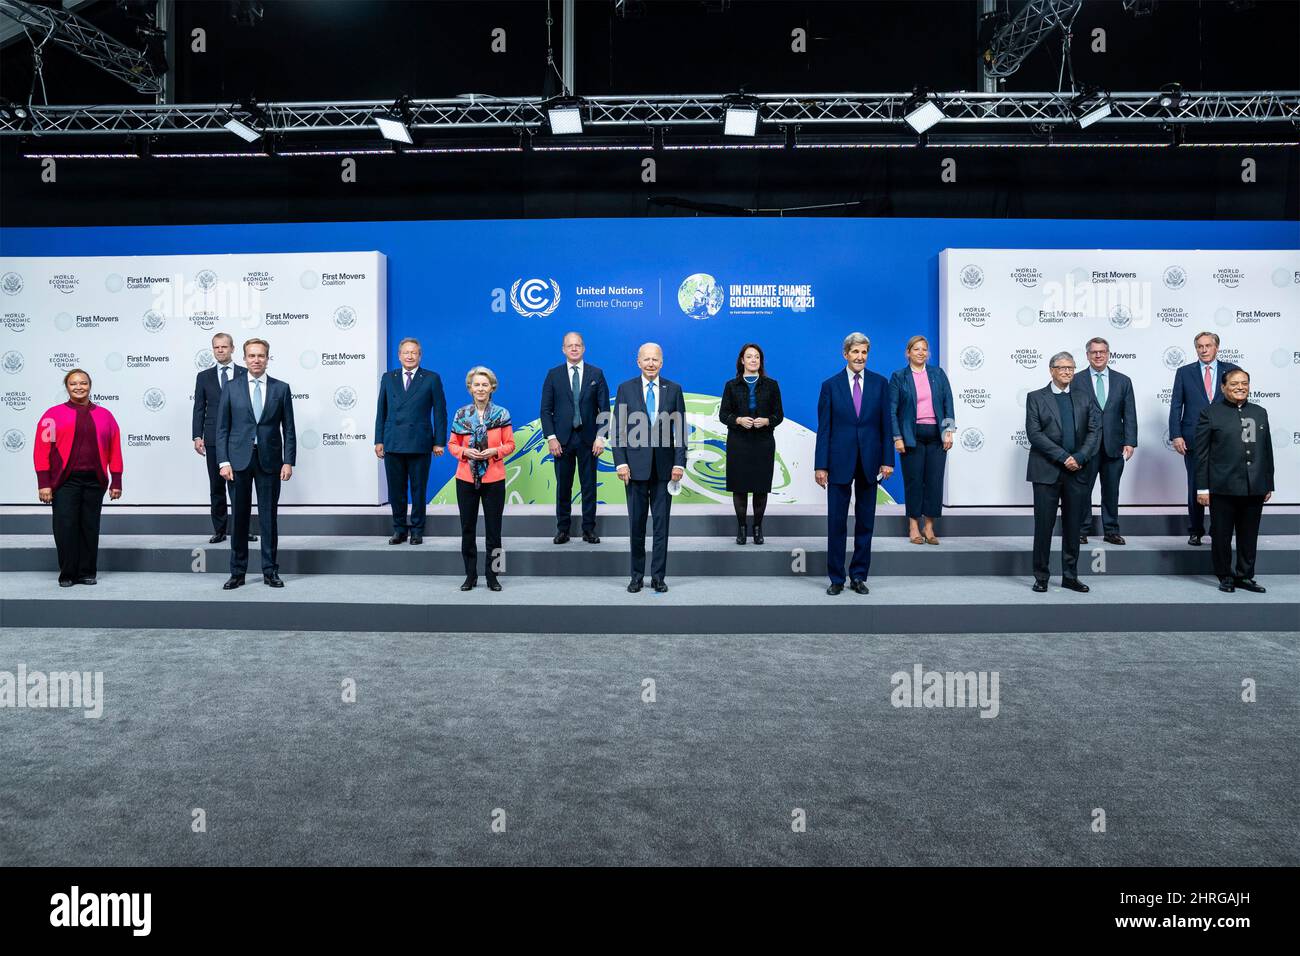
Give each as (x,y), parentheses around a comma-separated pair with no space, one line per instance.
(1045,431)
(402,415)
(1226,463)
(844,437)
(628,425)
(557,402)
(902,403)
(1188,399)
(1119,423)
(207,396)
(277,442)
(735,404)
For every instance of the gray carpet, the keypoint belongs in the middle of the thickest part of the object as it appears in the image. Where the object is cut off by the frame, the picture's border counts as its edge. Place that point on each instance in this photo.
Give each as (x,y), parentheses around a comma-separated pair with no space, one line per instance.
(446,728)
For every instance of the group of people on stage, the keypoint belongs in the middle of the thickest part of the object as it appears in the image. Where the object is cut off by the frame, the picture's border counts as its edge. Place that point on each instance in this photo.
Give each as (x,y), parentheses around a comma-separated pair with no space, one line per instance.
(1079,427)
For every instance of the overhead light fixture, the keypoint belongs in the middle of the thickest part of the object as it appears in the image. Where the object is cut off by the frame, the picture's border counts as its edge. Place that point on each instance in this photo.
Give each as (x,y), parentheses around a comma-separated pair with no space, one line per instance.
(11,112)
(242,130)
(1172,96)
(395,126)
(243,120)
(741,118)
(1090,107)
(565,116)
(922,111)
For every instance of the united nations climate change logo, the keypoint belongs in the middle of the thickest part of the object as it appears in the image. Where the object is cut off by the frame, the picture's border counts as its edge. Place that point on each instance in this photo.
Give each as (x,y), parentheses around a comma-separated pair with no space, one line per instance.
(12,362)
(972,358)
(1173,357)
(11,283)
(972,277)
(972,439)
(1121,317)
(203,359)
(535,297)
(345,398)
(206,279)
(700,296)
(154,399)
(15,440)
(1175,277)
(153,321)
(345,317)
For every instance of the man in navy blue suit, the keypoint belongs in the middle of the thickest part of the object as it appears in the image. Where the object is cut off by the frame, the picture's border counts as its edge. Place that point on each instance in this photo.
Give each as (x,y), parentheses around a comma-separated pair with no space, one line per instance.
(404,438)
(1112,392)
(650,434)
(573,395)
(257,445)
(1196,385)
(208,386)
(854,446)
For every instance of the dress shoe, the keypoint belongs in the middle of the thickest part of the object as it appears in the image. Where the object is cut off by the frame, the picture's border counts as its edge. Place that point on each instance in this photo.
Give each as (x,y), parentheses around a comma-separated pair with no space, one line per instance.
(66,584)
(1226,586)
(740,534)
(561,538)
(1083,539)
(417,539)
(1115,539)
(858,586)
(468,584)
(634,585)
(658,585)
(1074,584)
(236,581)
(1040,587)
(493,584)
(398,538)
(590,537)
(86,581)
(835,589)
(272,580)
(217,538)
(758,534)
(1248,584)
(252,537)
(1194,540)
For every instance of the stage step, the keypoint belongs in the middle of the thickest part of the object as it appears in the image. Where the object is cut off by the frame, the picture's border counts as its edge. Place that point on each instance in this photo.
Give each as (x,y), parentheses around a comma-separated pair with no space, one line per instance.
(580,605)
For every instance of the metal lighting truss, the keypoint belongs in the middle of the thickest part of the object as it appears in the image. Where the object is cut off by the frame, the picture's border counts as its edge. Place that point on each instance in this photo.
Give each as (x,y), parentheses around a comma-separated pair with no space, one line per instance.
(1031,25)
(88,42)
(619,114)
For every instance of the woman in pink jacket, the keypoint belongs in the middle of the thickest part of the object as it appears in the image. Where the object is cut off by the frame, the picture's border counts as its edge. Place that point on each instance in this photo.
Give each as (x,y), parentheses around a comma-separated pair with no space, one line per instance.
(78,455)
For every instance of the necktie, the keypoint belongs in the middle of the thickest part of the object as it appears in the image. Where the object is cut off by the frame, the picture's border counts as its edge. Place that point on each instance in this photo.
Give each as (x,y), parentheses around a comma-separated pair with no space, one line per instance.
(577,415)
(225,376)
(650,410)
(1100,389)
(257,400)
(1209,385)
(408,380)
(857,393)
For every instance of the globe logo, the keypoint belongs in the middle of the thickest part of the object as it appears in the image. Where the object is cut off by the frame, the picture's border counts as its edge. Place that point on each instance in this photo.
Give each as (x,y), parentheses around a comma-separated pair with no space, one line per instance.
(12,362)
(153,321)
(972,277)
(206,279)
(972,439)
(345,398)
(972,358)
(309,359)
(345,317)
(203,359)
(113,283)
(15,440)
(1175,277)
(535,297)
(700,296)
(309,438)
(1282,278)
(11,283)
(1026,316)
(1173,357)
(114,361)
(154,399)
(1281,358)
(1223,316)
(1121,317)
(309,279)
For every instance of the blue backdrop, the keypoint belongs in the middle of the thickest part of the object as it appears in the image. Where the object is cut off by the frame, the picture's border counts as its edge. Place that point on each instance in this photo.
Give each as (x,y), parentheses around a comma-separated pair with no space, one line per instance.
(460,286)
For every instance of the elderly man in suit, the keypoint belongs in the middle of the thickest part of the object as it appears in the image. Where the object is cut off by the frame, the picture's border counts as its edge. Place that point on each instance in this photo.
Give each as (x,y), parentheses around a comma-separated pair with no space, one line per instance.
(257,445)
(1063,425)
(404,438)
(855,446)
(1113,393)
(1196,385)
(573,396)
(1234,476)
(208,386)
(650,434)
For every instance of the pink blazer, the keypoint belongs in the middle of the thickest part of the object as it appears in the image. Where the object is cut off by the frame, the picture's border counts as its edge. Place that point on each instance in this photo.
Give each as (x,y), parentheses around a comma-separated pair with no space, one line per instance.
(52,451)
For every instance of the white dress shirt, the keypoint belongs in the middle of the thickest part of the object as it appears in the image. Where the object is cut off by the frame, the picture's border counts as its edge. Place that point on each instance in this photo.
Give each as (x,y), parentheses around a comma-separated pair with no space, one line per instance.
(568,380)
(252,382)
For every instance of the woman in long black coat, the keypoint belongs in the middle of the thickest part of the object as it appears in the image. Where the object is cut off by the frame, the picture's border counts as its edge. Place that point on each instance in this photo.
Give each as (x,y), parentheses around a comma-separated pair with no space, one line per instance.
(751,410)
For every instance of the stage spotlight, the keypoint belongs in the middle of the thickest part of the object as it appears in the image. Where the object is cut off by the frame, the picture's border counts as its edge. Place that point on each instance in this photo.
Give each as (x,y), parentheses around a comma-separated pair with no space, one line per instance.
(244,119)
(393,128)
(741,119)
(1089,108)
(922,112)
(242,130)
(10,111)
(565,117)
(1172,96)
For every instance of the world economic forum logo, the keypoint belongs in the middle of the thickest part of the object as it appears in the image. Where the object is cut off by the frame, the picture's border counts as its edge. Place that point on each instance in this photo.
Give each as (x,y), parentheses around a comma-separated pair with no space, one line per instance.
(153,321)
(11,283)
(972,358)
(535,297)
(1173,357)
(1175,277)
(345,317)
(1121,317)
(14,440)
(345,398)
(154,399)
(972,277)
(700,296)
(12,362)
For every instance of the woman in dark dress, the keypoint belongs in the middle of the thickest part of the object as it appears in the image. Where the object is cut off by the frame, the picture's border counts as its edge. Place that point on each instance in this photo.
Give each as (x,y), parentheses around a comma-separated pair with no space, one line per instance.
(751,410)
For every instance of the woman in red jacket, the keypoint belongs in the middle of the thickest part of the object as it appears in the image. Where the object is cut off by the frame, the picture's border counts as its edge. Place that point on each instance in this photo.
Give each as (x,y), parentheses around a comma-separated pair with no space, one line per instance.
(78,455)
(481,438)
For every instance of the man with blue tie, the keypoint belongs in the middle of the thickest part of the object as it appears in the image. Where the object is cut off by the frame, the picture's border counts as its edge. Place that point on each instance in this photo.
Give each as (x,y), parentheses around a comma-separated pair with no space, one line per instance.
(1112,392)
(404,438)
(208,386)
(573,396)
(855,445)
(257,445)
(1196,385)
(649,451)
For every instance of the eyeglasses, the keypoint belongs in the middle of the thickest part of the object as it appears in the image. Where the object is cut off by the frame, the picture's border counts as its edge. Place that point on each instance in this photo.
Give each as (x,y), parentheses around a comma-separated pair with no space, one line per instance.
(1063,368)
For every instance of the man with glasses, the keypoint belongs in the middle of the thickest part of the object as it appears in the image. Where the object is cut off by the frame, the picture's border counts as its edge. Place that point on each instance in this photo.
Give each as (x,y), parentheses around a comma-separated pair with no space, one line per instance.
(1063,425)
(1113,393)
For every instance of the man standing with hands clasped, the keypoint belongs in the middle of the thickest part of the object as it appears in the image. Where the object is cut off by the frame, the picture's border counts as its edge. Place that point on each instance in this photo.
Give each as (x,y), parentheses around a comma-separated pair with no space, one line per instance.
(573,396)
(404,438)
(1113,393)
(208,386)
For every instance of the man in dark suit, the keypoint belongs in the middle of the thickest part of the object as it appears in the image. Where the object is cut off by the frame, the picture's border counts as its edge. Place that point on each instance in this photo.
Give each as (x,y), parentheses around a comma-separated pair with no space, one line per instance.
(1196,385)
(256,445)
(1234,476)
(573,395)
(404,438)
(1113,393)
(208,386)
(650,433)
(1063,425)
(855,445)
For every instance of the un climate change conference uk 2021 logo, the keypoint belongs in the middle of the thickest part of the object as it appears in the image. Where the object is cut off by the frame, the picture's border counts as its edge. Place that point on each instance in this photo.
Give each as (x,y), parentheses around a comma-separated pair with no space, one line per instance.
(700,296)
(535,298)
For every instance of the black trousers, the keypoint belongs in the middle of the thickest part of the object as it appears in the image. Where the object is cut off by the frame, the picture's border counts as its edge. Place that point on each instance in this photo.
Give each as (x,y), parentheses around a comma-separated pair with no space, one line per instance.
(1239,515)
(217,490)
(645,498)
(1195,510)
(863,491)
(923,467)
(407,470)
(1109,470)
(77,506)
(493,496)
(577,457)
(268,504)
(1067,494)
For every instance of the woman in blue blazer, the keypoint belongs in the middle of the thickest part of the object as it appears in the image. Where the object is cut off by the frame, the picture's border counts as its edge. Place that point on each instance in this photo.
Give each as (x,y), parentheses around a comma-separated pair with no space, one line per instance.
(921,410)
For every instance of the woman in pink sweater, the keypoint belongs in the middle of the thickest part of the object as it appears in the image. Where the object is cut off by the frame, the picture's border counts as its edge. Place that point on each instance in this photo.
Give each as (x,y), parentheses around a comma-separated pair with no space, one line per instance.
(78,456)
